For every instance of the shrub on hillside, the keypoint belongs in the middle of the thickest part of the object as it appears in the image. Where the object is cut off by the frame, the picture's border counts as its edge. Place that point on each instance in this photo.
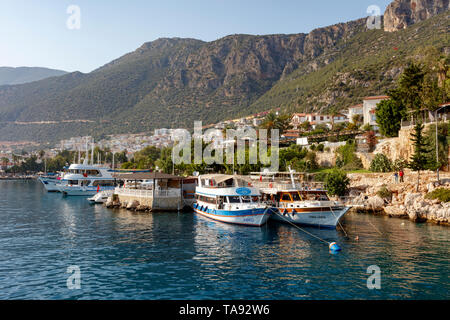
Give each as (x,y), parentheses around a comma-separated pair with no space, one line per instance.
(399,164)
(320,147)
(381,163)
(443,194)
(346,157)
(384,193)
(337,182)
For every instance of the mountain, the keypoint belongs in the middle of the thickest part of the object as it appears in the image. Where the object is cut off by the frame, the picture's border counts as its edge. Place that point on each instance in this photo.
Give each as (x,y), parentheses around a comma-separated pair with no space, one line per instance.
(9,75)
(402,13)
(369,63)
(172,82)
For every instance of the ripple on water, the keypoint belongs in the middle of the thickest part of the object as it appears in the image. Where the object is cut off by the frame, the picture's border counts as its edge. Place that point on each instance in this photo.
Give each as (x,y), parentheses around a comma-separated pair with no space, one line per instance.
(124,255)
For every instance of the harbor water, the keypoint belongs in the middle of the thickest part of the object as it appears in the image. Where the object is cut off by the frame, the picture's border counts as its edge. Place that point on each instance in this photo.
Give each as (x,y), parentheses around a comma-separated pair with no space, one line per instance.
(127,255)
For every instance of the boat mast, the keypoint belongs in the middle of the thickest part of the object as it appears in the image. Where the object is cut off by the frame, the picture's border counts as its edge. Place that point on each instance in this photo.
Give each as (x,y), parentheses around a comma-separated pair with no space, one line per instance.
(92,153)
(292,176)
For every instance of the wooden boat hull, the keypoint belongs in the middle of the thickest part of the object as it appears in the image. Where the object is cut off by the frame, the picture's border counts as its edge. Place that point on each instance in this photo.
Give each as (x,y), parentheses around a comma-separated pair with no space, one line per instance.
(323,217)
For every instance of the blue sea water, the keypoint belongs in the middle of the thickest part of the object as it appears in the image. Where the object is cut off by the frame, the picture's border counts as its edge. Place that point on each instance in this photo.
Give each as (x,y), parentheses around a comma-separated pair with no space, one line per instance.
(126,255)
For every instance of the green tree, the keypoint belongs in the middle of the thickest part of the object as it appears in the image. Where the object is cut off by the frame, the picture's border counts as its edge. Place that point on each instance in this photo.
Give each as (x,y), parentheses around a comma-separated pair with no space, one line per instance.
(346,157)
(419,160)
(410,87)
(273,121)
(337,182)
(389,114)
(381,163)
(443,144)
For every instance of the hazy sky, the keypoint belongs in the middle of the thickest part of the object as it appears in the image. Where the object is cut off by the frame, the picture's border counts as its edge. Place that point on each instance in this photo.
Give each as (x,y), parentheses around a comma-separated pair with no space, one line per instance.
(35,33)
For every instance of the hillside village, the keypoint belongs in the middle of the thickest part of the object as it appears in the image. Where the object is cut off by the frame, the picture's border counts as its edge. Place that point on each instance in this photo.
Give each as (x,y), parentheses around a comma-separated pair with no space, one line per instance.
(305,129)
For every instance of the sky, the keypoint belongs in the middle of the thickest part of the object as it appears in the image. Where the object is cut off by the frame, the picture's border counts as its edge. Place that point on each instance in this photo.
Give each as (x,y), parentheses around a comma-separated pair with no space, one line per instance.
(47,33)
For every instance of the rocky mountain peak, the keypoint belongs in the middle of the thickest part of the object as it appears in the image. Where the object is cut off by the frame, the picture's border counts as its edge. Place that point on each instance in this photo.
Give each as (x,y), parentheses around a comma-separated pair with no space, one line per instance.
(402,13)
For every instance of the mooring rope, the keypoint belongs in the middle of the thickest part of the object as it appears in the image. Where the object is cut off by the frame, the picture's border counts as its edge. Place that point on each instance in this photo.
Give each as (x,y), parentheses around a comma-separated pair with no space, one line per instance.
(340,225)
(299,227)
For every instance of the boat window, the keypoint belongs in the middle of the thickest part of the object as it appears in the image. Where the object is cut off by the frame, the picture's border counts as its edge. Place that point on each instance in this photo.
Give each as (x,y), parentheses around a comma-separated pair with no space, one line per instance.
(103,183)
(286,197)
(73,182)
(323,197)
(312,196)
(246,199)
(234,199)
(85,182)
(295,196)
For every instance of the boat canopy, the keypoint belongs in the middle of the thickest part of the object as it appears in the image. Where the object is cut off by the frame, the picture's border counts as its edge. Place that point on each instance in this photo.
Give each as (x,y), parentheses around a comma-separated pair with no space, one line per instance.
(222,180)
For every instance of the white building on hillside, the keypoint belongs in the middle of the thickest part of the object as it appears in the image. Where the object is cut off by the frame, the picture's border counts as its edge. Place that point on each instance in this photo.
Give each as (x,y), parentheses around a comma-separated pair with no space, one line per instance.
(369,105)
(355,110)
(315,119)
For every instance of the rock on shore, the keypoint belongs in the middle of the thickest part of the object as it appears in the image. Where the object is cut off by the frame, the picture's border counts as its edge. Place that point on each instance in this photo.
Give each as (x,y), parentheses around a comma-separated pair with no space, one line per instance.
(405,201)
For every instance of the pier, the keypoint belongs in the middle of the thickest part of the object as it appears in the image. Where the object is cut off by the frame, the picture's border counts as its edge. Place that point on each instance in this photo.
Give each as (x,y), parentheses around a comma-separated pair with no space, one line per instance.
(152,191)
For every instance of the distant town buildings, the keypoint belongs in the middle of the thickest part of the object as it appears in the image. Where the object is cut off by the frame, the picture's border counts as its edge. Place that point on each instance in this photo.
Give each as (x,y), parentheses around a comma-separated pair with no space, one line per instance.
(314,119)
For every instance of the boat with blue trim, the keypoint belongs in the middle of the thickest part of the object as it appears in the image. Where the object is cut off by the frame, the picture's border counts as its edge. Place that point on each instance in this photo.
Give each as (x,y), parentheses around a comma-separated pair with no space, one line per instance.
(228,198)
(50,181)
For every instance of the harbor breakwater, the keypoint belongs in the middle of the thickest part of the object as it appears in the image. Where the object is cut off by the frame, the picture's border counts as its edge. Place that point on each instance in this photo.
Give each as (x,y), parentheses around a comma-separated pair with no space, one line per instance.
(378,193)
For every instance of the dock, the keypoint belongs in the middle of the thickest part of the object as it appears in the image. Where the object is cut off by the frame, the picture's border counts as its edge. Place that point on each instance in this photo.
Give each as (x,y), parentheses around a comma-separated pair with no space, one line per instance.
(148,191)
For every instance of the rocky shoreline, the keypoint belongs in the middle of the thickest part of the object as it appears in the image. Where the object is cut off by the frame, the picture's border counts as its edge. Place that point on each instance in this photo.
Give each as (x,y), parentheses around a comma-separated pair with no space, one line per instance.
(402,200)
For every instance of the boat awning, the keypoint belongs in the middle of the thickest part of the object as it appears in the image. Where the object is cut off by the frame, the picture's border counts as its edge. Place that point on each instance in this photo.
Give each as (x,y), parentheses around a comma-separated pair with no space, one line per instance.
(145,176)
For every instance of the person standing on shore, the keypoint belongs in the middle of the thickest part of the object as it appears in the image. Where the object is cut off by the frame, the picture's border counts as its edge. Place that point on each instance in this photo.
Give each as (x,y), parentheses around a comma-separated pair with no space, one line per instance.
(396,177)
(401,174)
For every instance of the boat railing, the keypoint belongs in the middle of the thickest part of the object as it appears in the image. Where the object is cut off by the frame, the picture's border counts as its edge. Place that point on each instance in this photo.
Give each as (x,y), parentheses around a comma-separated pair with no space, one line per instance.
(288,185)
(145,193)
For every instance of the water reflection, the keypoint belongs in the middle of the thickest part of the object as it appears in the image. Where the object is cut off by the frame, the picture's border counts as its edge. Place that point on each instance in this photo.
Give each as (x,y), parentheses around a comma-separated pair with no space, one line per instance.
(129,255)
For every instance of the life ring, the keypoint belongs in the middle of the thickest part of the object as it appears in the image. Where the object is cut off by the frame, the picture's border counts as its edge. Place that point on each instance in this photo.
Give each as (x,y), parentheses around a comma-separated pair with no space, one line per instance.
(270,185)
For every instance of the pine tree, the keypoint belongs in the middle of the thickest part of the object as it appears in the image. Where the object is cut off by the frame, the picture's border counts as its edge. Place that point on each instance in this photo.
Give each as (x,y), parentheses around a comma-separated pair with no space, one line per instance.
(419,160)
(389,115)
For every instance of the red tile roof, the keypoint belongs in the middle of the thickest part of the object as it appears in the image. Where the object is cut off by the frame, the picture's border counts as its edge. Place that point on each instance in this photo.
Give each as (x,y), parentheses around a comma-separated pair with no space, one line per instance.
(376,97)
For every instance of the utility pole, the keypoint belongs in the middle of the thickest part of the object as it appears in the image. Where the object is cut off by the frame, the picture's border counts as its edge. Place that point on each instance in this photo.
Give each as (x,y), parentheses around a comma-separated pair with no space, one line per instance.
(437,144)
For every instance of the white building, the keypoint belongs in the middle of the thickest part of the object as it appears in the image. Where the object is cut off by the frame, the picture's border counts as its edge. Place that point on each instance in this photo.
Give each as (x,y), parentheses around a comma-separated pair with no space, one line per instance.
(369,105)
(315,119)
(355,110)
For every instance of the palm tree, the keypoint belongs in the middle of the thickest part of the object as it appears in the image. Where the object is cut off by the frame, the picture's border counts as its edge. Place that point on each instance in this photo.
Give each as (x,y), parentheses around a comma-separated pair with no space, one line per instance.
(442,69)
(4,161)
(273,121)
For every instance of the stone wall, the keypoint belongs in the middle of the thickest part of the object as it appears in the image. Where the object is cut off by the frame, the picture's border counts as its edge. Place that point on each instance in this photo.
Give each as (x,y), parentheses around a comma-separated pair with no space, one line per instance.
(399,147)
(149,203)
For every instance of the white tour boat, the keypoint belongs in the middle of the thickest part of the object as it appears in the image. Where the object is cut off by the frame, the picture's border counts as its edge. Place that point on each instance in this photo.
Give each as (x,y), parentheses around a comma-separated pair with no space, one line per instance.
(301,203)
(229,199)
(52,181)
(86,180)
